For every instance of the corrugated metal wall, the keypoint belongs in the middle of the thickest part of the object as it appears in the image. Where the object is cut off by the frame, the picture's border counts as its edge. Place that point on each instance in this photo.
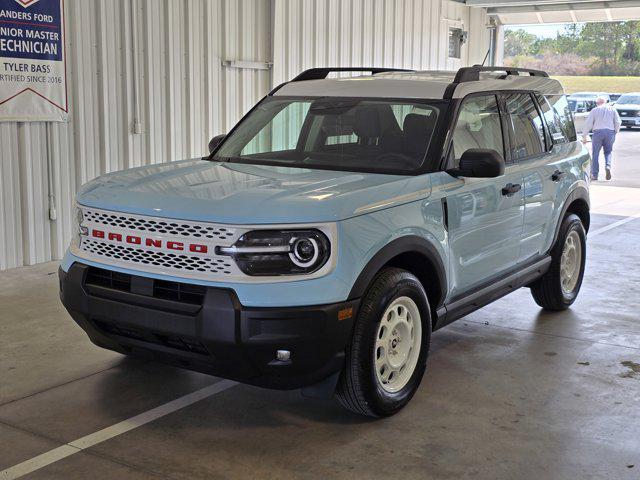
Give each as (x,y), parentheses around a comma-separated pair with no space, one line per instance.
(147,66)
(147,85)
(392,33)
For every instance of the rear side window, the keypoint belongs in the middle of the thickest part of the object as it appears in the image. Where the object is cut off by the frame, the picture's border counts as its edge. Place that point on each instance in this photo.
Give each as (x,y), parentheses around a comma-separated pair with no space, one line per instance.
(527,129)
(478,126)
(563,113)
(552,120)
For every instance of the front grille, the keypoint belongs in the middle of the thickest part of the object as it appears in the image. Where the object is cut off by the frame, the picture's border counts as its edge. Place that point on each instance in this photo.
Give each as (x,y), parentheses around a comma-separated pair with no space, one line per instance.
(174,261)
(179,292)
(168,227)
(175,291)
(159,245)
(109,279)
(628,113)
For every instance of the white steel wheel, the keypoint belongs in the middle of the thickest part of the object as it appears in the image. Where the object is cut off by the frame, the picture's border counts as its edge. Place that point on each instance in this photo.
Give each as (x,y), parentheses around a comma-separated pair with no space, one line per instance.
(570,262)
(397,346)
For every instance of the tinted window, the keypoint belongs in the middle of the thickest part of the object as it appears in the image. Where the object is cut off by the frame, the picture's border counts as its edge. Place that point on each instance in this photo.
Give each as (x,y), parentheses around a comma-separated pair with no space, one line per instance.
(565,119)
(341,133)
(455,42)
(527,131)
(282,133)
(478,126)
(553,121)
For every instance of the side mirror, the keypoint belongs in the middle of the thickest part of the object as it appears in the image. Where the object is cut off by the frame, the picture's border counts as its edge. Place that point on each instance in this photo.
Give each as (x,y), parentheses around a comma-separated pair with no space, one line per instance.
(215,141)
(479,163)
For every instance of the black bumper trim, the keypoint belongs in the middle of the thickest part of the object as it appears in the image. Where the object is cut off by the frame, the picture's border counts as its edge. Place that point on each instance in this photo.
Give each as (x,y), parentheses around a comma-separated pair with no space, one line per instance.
(219,336)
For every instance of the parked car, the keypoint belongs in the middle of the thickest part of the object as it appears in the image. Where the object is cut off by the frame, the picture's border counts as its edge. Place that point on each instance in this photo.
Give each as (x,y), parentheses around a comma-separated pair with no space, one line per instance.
(335,227)
(628,107)
(592,96)
(580,109)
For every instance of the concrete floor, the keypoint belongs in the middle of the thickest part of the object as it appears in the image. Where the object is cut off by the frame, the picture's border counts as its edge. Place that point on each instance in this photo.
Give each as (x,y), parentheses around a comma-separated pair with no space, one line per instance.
(626,167)
(510,392)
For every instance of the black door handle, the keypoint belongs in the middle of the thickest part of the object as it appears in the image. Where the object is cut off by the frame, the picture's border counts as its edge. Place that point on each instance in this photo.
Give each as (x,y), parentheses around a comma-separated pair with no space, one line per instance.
(511,188)
(557,175)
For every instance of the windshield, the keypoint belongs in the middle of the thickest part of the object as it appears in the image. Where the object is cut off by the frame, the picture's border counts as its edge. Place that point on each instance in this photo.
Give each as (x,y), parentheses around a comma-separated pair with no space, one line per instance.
(627,99)
(352,134)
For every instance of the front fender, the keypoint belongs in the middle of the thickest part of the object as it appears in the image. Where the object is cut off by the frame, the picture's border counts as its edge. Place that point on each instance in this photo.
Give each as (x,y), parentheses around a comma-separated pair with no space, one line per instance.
(370,241)
(406,244)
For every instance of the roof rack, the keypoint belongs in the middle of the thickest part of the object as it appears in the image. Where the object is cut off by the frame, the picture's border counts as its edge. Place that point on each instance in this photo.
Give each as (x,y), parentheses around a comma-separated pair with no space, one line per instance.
(472,74)
(320,73)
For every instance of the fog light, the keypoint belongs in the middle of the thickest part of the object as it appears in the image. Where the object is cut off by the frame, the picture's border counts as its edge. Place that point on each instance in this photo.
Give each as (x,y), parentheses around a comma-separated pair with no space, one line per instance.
(283,355)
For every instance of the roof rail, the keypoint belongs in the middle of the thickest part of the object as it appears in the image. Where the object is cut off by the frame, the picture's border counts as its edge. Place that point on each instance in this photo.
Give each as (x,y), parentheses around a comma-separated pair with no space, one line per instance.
(471,74)
(320,73)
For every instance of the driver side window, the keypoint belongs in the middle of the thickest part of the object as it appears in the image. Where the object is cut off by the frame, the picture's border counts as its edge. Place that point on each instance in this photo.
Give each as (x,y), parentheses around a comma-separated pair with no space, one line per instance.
(478,126)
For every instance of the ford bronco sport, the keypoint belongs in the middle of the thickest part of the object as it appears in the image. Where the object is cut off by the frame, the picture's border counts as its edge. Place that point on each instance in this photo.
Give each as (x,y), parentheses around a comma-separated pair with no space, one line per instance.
(337,225)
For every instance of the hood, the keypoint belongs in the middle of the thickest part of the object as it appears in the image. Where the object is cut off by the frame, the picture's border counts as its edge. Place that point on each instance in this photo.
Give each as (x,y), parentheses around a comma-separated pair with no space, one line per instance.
(248,194)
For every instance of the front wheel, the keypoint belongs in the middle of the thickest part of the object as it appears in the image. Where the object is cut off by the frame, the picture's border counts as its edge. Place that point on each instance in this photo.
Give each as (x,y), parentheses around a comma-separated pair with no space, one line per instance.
(387,355)
(558,288)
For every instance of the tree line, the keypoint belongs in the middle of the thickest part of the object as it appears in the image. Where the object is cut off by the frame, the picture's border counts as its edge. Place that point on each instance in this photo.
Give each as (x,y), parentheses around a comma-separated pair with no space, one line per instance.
(604,48)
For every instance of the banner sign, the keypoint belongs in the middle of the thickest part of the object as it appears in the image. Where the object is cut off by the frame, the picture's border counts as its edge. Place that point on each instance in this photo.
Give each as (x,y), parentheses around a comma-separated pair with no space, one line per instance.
(33,84)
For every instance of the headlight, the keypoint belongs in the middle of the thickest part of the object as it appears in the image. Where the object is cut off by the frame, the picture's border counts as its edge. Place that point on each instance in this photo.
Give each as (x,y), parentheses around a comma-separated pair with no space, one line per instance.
(279,252)
(79,230)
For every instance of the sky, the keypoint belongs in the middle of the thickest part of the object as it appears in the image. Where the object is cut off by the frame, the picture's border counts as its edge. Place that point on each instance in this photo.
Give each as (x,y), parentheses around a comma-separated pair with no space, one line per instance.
(542,31)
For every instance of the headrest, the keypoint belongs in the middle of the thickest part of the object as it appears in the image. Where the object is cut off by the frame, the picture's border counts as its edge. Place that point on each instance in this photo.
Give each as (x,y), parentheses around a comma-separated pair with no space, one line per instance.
(335,125)
(416,125)
(367,123)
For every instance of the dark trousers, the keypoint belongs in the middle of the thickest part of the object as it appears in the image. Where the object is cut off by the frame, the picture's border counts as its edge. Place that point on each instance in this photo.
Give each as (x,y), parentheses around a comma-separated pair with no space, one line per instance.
(602,139)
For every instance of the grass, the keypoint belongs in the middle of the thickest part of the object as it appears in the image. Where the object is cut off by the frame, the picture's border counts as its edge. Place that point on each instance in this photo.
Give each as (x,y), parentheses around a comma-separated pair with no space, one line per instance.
(600,84)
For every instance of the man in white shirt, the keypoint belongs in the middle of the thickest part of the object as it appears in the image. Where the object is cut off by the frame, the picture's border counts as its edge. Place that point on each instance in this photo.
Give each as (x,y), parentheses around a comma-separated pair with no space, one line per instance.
(605,122)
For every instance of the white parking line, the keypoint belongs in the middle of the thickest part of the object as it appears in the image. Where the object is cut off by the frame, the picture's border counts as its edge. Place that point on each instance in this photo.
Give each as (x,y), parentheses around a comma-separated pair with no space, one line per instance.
(75,446)
(614,225)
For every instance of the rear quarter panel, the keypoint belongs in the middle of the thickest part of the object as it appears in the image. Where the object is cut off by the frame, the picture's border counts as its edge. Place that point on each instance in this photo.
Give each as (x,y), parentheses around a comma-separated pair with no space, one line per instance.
(574,159)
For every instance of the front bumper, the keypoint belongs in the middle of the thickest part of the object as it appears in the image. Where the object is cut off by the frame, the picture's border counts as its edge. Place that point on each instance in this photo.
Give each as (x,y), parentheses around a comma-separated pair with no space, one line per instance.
(206,329)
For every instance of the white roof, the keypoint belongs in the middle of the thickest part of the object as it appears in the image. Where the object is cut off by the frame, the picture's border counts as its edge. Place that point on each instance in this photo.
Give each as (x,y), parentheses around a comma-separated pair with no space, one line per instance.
(423,85)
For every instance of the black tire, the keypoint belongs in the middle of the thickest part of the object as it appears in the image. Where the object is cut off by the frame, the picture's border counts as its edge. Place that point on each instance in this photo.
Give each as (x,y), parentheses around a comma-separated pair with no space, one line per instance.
(547,291)
(358,388)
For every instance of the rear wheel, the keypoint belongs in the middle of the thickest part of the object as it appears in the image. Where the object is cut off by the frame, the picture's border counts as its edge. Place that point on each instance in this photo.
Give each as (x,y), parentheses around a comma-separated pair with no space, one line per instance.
(559,287)
(387,355)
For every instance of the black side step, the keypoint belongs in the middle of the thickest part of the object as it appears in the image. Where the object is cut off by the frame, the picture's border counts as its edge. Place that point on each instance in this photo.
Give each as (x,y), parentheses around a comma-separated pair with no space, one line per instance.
(479,298)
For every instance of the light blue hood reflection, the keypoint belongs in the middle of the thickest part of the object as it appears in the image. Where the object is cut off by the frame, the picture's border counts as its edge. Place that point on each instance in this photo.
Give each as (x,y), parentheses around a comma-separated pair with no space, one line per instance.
(249,194)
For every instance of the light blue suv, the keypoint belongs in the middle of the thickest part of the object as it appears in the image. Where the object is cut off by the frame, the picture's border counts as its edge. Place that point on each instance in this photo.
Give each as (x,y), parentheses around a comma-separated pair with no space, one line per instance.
(337,226)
